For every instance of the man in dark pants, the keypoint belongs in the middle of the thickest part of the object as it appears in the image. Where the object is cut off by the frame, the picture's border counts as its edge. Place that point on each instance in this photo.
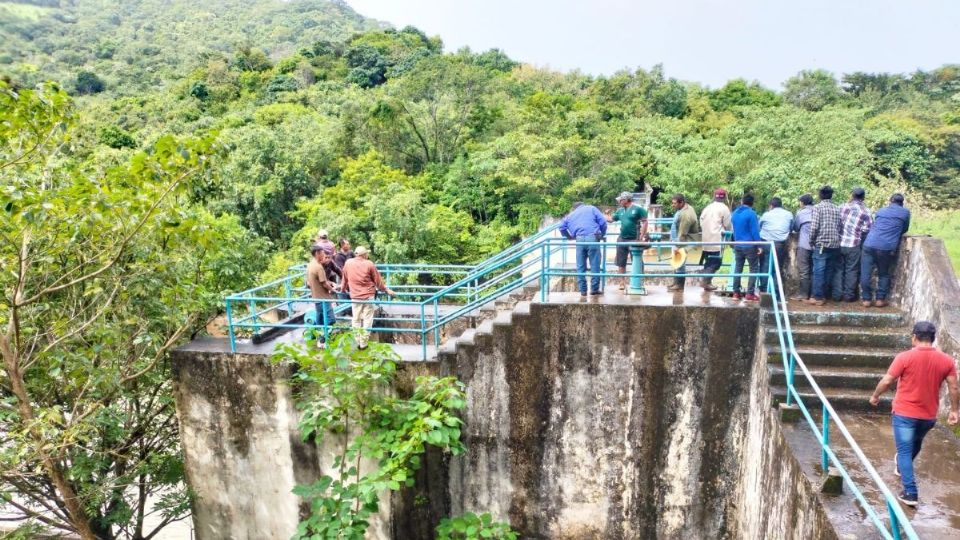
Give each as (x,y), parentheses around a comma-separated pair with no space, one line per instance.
(775,225)
(855,221)
(825,240)
(880,250)
(746,228)
(586,225)
(919,373)
(801,224)
(633,226)
(714,222)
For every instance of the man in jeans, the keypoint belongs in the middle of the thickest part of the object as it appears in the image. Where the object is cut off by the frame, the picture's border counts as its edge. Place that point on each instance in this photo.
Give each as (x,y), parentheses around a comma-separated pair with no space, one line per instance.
(880,250)
(775,225)
(585,224)
(825,240)
(919,373)
(714,221)
(801,225)
(855,221)
(746,228)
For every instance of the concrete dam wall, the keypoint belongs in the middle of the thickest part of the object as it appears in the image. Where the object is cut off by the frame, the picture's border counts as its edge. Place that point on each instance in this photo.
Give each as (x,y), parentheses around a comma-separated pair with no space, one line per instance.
(583,421)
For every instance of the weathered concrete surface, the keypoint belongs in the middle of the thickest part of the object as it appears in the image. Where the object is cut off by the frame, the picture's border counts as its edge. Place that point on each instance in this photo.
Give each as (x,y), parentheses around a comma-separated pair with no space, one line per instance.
(618,421)
(609,417)
(926,288)
(242,450)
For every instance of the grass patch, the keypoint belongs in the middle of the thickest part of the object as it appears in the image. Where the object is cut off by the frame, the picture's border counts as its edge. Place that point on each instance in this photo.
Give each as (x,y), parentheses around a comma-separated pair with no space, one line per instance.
(25,11)
(943,224)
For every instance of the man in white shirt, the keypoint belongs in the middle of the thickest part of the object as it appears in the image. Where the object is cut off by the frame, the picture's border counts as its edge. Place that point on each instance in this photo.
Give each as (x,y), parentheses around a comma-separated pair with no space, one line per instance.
(714,221)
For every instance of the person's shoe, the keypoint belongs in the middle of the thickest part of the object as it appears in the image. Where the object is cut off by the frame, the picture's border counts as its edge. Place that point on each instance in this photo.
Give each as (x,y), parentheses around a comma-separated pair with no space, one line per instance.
(737,296)
(675,288)
(583,294)
(751,298)
(866,303)
(815,302)
(623,286)
(881,303)
(596,293)
(709,287)
(909,500)
(799,298)
(896,466)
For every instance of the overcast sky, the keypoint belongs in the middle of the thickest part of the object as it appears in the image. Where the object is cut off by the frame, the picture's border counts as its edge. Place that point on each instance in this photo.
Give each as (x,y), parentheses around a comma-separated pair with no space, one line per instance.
(708,41)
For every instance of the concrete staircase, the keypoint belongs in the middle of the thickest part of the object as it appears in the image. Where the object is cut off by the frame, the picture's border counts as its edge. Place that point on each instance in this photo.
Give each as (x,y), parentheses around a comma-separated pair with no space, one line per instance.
(847,352)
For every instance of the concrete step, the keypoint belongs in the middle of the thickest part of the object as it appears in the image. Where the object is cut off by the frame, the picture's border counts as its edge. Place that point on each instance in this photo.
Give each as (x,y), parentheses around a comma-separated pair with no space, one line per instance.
(843,400)
(813,355)
(875,319)
(844,336)
(865,378)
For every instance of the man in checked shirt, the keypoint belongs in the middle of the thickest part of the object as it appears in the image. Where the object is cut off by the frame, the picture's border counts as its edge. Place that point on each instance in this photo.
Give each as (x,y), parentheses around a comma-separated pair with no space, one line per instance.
(855,221)
(825,241)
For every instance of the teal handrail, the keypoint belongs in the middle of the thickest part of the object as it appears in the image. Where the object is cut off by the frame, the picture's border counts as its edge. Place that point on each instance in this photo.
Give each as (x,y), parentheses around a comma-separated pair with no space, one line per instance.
(791,360)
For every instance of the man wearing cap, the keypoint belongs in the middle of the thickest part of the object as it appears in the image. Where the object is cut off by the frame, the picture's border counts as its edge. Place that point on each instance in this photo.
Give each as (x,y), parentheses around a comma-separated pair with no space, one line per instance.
(919,374)
(630,216)
(362,280)
(855,222)
(324,242)
(585,224)
(685,228)
(714,221)
(320,287)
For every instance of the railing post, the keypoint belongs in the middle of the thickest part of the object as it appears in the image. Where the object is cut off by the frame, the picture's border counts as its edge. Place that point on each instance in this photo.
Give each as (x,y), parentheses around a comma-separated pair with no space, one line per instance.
(544,276)
(233,339)
(789,377)
(254,316)
(436,323)
(288,293)
(423,331)
(894,521)
(326,323)
(824,458)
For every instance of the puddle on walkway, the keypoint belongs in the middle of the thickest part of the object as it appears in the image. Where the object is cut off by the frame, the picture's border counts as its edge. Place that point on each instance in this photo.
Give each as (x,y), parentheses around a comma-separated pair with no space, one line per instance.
(938,476)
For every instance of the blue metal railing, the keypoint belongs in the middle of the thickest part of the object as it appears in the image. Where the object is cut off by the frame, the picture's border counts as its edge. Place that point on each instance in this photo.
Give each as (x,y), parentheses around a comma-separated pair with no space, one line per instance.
(529,262)
(792,360)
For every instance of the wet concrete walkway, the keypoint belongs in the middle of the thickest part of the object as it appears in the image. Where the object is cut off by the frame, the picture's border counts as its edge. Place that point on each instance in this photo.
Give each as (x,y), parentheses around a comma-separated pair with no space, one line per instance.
(938,477)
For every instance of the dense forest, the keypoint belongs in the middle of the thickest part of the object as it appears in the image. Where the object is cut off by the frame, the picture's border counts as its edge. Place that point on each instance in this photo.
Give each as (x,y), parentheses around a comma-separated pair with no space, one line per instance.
(156,155)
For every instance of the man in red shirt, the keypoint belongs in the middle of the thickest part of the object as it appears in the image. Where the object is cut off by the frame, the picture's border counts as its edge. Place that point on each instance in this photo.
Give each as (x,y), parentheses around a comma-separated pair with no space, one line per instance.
(362,280)
(919,373)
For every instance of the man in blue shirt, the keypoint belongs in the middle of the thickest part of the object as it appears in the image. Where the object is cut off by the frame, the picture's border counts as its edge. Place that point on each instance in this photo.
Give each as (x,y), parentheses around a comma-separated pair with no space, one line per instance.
(880,250)
(775,225)
(746,228)
(585,223)
(801,224)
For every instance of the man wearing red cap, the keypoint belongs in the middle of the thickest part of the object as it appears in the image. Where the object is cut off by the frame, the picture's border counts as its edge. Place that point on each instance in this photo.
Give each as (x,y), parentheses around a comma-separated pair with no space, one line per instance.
(714,220)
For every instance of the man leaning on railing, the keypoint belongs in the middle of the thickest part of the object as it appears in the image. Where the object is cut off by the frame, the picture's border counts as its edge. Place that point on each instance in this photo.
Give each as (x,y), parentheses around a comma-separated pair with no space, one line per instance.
(587,226)
(362,280)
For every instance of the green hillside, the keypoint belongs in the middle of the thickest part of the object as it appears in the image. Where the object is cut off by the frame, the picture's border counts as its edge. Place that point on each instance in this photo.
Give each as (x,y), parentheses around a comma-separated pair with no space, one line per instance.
(134,45)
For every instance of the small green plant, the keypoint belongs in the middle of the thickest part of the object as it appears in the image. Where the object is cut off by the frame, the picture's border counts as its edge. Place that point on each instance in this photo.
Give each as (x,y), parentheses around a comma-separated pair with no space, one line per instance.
(470,526)
(348,393)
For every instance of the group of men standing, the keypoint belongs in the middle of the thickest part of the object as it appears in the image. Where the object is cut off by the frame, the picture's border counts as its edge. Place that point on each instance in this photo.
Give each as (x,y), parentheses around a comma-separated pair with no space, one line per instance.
(346,275)
(838,249)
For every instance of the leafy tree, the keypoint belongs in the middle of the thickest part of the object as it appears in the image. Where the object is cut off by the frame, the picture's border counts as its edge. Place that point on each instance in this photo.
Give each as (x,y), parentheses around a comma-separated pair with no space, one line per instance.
(115,137)
(109,270)
(812,90)
(88,83)
(348,397)
(739,93)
